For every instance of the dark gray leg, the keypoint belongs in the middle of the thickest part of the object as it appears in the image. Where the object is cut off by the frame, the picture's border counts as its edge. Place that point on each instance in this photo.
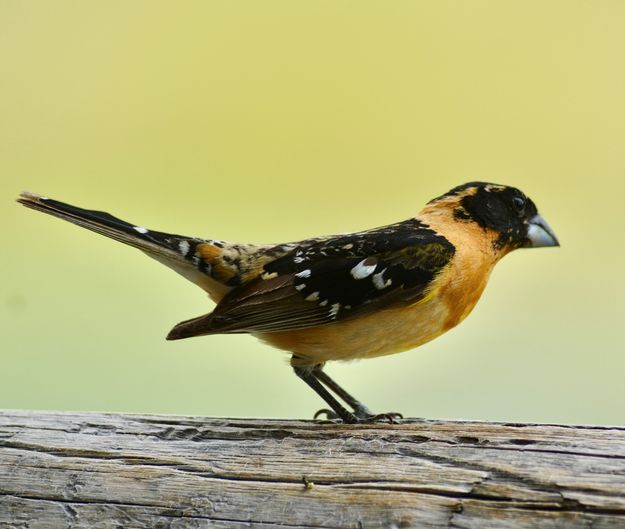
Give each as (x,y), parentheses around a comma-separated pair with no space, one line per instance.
(308,376)
(315,377)
(360,410)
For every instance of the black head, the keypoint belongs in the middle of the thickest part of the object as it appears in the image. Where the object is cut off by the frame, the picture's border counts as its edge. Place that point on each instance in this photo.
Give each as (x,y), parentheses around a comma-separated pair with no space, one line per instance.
(504,209)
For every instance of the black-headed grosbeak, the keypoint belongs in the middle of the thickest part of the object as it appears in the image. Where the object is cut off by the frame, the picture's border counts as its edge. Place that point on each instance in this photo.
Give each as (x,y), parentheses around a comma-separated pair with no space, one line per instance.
(343,297)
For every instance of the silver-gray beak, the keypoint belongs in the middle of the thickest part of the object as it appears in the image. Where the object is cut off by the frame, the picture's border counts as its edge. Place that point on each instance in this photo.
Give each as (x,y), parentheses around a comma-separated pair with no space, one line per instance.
(539,234)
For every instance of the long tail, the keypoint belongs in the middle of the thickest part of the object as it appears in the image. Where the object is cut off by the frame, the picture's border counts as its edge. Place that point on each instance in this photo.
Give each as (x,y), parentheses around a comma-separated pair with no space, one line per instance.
(186,255)
(100,222)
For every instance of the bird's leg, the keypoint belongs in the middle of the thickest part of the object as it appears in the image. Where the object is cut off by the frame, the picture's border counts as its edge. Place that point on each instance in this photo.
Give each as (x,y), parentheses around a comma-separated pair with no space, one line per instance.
(306,373)
(315,377)
(360,410)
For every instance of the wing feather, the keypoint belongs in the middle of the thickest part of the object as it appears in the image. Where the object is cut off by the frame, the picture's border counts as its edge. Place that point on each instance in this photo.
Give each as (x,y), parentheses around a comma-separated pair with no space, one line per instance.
(322,281)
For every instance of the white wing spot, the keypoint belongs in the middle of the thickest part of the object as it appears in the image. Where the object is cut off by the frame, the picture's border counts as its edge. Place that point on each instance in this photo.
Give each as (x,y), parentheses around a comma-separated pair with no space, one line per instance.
(379,282)
(298,260)
(184,246)
(313,297)
(140,229)
(324,303)
(334,310)
(303,273)
(268,275)
(300,287)
(362,270)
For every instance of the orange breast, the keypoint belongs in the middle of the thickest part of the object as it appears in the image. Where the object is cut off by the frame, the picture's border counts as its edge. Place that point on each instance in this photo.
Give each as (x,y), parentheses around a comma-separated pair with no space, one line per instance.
(385,332)
(452,297)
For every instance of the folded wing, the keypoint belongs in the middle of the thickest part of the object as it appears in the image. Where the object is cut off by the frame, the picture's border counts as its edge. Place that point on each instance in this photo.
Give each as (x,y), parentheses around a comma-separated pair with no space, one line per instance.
(322,281)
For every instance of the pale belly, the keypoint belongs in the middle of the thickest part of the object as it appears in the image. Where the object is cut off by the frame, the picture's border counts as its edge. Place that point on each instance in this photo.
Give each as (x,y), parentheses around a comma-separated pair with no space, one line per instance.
(382,333)
(385,332)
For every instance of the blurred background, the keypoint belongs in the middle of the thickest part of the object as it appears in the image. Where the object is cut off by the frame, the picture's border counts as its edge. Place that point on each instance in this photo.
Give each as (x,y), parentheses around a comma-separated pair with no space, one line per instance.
(274,121)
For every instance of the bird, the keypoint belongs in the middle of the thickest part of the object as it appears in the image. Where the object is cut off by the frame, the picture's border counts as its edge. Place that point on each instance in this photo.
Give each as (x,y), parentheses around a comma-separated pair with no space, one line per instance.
(347,296)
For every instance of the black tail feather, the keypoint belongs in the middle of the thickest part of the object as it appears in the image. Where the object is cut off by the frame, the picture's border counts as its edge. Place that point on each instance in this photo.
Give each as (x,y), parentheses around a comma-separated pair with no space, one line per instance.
(153,242)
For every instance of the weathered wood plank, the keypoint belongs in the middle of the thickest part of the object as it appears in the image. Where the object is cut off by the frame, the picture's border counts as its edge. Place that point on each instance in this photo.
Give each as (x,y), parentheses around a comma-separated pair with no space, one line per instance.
(85,470)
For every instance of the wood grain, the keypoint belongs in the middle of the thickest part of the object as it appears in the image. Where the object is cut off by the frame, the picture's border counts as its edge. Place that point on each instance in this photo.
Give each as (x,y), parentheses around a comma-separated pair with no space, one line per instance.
(88,470)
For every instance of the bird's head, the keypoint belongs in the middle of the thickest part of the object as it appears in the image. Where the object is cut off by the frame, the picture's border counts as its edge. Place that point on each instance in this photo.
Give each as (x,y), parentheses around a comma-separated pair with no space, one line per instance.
(504,211)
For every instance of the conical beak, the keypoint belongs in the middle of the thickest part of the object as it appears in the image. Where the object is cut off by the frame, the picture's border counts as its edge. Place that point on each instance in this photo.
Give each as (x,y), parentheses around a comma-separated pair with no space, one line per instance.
(539,234)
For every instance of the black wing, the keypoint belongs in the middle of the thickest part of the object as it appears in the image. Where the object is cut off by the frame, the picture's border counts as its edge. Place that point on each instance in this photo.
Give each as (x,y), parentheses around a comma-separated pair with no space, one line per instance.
(330,279)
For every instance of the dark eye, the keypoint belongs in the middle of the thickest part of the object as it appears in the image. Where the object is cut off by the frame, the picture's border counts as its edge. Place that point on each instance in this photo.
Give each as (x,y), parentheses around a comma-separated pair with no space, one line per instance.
(518,204)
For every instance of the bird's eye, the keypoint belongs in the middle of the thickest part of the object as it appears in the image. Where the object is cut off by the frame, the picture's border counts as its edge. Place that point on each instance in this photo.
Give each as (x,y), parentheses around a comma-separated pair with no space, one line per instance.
(518,203)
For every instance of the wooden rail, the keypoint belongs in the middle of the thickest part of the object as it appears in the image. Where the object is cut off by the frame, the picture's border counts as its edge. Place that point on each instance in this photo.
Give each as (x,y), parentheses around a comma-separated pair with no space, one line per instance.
(91,470)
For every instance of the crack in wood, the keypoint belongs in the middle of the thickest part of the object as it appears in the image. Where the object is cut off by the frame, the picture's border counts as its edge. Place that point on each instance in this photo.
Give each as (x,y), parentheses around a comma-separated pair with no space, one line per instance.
(70,508)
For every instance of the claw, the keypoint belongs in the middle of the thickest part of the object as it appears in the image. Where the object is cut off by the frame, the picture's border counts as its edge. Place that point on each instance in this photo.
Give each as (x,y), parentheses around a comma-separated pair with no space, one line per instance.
(360,416)
(327,412)
(330,416)
(392,417)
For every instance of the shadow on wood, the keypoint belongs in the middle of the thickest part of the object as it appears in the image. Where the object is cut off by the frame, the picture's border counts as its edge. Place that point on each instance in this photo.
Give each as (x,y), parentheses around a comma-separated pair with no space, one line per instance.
(85,470)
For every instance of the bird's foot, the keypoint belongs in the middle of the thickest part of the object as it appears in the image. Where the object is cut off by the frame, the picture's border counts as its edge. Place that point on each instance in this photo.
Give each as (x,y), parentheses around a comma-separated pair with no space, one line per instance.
(360,416)
(392,417)
(331,417)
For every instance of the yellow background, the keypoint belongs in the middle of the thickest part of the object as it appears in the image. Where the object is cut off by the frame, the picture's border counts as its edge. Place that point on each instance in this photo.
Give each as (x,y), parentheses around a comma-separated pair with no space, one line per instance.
(278,120)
